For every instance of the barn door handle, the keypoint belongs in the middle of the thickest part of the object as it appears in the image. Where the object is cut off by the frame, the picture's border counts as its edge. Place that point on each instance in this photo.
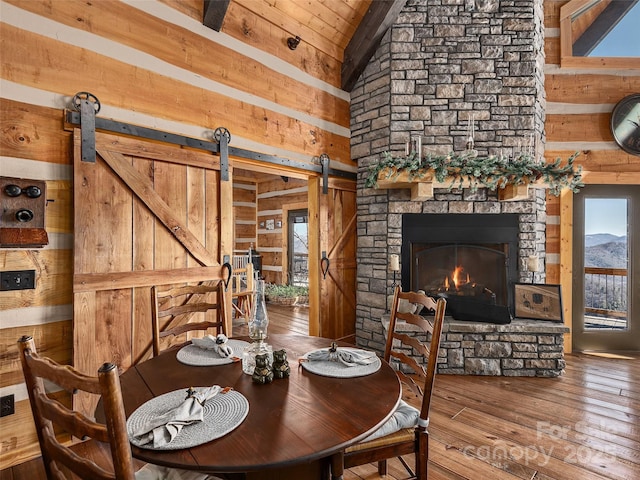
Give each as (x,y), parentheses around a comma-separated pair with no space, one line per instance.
(324,264)
(229,268)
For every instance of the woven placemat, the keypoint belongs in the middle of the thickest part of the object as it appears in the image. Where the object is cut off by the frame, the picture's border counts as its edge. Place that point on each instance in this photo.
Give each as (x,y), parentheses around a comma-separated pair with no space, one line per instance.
(329,368)
(201,357)
(222,414)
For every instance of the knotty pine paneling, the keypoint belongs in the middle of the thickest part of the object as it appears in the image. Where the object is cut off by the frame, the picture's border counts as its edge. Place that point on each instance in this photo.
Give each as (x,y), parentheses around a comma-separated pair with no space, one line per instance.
(59,211)
(271,238)
(29,57)
(192,8)
(247,27)
(19,441)
(592,127)
(134,27)
(54,270)
(273,259)
(272,195)
(275,203)
(244,214)
(600,160)
(52,339)
(244,230)
(286,27)
(590,88)
(33,132)
(244,195)
(552,13)
(552,50)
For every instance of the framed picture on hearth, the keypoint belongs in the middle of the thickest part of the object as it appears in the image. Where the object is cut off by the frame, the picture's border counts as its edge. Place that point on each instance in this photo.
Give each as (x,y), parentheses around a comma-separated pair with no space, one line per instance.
(538,301)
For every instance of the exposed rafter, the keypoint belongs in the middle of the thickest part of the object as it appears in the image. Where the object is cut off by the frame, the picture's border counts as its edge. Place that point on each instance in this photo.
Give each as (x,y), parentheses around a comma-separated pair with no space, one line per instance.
(214,12)
(363,44)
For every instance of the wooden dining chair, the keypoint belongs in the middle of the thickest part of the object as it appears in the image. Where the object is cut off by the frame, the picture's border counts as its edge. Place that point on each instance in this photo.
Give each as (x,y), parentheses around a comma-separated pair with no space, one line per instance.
(176,310)
(392,439)
(48,411)
(242,291)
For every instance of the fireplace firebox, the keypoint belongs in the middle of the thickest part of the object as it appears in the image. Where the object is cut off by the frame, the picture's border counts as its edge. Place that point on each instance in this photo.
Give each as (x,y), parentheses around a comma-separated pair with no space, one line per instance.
(471,259)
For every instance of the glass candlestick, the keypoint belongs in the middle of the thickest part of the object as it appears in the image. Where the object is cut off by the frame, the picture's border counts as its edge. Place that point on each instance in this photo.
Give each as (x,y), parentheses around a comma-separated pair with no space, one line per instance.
(259,319)
(258,347)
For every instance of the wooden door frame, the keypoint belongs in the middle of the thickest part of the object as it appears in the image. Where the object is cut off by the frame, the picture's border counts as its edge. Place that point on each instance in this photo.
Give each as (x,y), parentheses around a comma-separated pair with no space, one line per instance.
(566,237)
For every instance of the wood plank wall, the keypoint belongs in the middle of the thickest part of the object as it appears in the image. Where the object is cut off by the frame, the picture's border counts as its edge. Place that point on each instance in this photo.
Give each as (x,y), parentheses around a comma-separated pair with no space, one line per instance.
(579,105)
(153,64)
(245,207)
(275,198)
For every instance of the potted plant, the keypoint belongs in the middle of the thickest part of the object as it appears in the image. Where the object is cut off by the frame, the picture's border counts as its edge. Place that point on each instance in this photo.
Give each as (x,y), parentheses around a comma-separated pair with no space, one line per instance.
(286,294)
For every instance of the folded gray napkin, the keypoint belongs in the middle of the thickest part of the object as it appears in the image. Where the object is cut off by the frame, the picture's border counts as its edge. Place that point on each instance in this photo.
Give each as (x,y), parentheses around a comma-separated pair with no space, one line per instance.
(347,356)
(217,344)
(161,430)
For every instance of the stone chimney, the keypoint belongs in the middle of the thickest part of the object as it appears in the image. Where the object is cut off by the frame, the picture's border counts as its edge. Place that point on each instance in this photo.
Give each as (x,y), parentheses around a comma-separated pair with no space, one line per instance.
(443,62)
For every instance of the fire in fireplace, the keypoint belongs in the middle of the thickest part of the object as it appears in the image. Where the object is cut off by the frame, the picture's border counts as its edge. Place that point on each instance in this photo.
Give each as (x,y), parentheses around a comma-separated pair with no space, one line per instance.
(471,259)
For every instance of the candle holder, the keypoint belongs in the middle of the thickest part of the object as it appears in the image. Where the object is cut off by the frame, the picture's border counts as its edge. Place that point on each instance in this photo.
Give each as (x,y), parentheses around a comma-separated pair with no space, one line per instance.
(533,265)
(394,266)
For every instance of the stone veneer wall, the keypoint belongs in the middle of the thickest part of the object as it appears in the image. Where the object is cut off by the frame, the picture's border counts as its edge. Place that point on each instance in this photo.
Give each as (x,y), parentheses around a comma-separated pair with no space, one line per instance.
(435,67)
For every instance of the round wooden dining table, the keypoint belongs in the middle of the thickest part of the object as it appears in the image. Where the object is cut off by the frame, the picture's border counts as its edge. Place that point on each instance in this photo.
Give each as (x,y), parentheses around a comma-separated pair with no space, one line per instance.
(294,425)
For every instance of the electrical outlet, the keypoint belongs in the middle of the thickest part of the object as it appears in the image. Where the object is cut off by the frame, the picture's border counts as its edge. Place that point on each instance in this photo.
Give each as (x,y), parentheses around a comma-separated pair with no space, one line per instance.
(7,405)
(18,280)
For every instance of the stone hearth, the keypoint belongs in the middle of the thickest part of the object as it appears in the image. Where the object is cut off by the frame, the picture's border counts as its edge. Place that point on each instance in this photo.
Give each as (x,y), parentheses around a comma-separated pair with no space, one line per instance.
(523,348)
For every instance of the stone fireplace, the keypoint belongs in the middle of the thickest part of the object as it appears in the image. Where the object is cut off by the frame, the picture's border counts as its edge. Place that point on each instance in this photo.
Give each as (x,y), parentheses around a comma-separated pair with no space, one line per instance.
(470,259)
(440,67)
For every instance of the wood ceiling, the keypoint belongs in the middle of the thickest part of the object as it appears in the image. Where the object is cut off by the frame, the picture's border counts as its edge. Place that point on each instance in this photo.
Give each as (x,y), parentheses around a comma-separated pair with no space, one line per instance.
(347,30)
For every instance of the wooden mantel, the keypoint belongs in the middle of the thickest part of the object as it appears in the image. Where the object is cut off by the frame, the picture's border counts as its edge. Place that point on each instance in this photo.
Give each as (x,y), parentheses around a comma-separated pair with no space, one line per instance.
(422,187)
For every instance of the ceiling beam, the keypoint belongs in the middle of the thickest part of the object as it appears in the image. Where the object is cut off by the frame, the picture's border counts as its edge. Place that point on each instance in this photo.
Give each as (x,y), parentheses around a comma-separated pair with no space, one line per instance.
(214,12)
(380,16)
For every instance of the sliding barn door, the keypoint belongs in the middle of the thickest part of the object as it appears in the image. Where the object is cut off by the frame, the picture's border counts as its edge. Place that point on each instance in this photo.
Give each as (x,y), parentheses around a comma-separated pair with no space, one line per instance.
(332,265)
(145,213)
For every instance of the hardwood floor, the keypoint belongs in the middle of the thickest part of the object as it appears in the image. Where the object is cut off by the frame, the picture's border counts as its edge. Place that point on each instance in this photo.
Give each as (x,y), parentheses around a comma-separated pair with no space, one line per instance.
(584,425)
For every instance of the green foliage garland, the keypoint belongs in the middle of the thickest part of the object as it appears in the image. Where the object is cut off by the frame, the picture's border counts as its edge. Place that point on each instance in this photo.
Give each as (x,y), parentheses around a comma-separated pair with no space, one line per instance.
(491,172)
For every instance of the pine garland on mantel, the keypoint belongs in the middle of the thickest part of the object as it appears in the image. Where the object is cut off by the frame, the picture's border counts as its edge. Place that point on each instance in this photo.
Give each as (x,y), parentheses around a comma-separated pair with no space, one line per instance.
(491,172)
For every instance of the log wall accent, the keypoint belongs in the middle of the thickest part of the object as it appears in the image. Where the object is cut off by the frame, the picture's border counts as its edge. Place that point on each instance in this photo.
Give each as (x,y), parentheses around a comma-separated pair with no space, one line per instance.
(153,64)
(244,214)
(579,104)
(273,198)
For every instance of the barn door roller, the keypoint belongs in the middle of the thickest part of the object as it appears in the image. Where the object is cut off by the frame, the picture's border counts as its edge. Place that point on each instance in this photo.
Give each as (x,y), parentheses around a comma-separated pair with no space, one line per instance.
(324,163)
(223,137)
(88,105)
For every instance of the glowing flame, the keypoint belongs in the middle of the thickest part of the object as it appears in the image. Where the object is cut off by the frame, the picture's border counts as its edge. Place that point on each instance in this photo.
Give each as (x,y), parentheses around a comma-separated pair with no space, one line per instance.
(455,276)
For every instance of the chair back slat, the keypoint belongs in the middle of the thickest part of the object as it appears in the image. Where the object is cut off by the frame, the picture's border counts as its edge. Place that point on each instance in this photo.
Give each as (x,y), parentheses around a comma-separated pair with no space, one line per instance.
(188,327)
(190,308)
(186,308)
(82,467)
(399,344)
(243,290)
(47,412)
(75,423)
(64,376)
(408,363)
(417,345)
(415,384)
